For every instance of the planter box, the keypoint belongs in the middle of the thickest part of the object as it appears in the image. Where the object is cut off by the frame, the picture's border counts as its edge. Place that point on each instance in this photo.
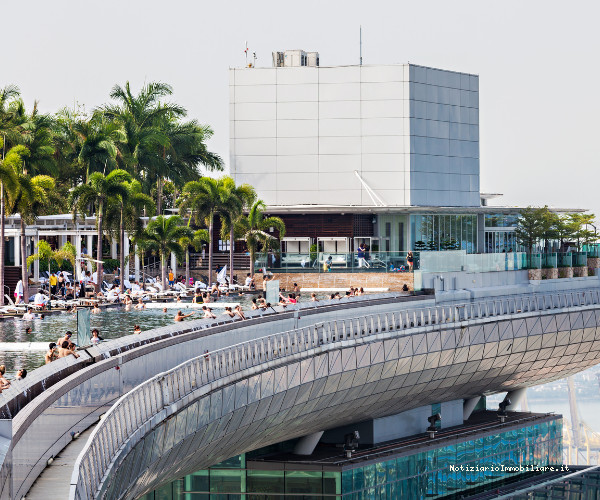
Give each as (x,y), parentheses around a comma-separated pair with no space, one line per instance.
(565,272)
(535,274)
(550,273)
(593,263)
(580,272)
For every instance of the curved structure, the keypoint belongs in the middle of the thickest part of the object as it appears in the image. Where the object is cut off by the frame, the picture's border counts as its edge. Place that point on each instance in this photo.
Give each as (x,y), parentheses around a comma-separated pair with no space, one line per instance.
(295,383)
(40,415)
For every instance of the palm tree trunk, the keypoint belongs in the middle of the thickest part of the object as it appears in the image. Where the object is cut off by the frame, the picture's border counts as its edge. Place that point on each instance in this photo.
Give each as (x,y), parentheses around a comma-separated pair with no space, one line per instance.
(99,267)
(2,245)
(210,249)
(159,189)
(251,250)
(24,274)
(163,271)
(122,252)
(231,254)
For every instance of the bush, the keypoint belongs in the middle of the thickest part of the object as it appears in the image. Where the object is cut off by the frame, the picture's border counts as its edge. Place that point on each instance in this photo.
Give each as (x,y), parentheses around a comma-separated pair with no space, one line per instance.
(110,265)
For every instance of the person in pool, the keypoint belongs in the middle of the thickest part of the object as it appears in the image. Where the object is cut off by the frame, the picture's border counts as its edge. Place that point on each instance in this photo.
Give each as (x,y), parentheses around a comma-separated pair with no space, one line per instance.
(180,316)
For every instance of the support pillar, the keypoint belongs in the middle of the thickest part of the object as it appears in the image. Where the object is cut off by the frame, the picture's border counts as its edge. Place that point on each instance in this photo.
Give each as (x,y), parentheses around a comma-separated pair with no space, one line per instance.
(62,239)
(77,270)
(515,397)
(469,405)
(36,262)
(125,250)
(174,264)
(90,241)
(137,264)
(307,444)
(17,243)
(113,249)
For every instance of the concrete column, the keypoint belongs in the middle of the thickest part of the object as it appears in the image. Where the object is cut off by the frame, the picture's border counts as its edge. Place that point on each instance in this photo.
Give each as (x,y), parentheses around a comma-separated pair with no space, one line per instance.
(77,271)
(469,405)
(125,249)
(36,262)
(515,397)
(17,243)
(90,241)
(62,239)
(174,264)
(113,249)
(137,264)
(307,444)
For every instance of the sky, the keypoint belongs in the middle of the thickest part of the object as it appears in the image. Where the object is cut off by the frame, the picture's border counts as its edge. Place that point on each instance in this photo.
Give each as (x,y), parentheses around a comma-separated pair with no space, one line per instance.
(537,62)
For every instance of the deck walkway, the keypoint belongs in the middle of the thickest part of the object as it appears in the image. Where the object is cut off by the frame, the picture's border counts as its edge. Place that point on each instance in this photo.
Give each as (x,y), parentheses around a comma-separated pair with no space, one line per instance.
(54,482)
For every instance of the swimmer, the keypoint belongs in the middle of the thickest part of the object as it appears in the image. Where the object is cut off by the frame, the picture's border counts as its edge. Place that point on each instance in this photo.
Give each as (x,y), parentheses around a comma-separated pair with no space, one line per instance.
(52,353)
(239,312)
(229,312)
(140,305)
(95,309)
(28,330)
(208,312)
(164,309)
(28,316)
(313,297)
(137,329)
(180,316)
(96,337)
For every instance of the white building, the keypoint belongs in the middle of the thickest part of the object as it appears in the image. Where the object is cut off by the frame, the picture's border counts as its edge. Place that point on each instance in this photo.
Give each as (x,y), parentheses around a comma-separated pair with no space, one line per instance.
(393,135)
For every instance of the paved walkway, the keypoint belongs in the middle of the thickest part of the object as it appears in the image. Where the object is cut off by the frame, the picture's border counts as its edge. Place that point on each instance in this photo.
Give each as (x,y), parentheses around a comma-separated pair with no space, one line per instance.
(53,482)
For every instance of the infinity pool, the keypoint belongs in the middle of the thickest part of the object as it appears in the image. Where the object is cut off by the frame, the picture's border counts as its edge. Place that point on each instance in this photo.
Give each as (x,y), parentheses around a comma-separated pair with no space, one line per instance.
(112,323)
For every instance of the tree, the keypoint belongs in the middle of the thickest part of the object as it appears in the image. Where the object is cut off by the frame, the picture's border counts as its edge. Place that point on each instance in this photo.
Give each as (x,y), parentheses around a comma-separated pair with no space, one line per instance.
(163,235)
(123,212)
(233,199)
(254,227)
(96,193)
(32,198)
(530,227)
(8,183)
(204,198)
(45,252)
(200,236)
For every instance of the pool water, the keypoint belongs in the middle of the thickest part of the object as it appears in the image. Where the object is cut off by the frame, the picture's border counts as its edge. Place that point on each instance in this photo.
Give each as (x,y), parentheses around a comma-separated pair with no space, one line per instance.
(112,323)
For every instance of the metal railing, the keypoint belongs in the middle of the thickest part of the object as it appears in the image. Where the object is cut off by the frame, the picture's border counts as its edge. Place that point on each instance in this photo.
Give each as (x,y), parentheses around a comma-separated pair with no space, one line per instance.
(145,402)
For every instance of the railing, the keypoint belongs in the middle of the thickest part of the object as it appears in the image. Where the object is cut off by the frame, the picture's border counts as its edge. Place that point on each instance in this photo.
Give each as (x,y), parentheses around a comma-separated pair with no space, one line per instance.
(146,401)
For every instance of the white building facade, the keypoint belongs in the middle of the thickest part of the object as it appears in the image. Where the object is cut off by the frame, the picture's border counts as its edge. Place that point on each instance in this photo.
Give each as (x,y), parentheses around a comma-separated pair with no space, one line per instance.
(385,135)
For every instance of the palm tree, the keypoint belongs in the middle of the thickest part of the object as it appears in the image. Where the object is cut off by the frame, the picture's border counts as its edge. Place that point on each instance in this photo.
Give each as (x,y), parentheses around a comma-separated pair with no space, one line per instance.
(8,183)
(254,228)
(123,212)
(163,235)
(96,193)
(200,236)
(7,177)
(157,145)
(205,200)
(234,200)
(32,198)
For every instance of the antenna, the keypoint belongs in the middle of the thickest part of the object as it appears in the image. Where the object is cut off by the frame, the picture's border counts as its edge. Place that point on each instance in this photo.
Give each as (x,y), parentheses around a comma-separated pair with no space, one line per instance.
(246,52)
(360,39)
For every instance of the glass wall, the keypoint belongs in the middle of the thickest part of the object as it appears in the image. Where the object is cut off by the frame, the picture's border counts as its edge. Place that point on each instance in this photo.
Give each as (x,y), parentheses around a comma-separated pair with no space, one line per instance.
(433,473)
(501,220)
(444,232)
(500,242)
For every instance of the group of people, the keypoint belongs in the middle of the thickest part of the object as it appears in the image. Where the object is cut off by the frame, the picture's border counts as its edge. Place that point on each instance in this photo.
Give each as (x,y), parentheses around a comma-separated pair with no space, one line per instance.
(62,348)
(4,382)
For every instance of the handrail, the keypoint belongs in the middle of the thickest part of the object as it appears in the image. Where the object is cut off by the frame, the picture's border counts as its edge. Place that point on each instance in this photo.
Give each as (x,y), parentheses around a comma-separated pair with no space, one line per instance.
(164,389)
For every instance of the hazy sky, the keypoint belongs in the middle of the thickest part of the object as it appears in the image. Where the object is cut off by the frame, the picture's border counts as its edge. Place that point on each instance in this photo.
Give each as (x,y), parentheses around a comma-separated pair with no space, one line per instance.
(537,61)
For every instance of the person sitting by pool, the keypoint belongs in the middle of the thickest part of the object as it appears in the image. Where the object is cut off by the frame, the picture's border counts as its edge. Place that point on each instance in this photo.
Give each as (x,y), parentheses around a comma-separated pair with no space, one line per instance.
(40,300)
(140,304)
(95,309)
(215,290)
(4,382)
(52,353)
(137,329)
(229,312)
(180,316)
(66,338)
(207,312)
(96,337)
(28,316)
(239,312)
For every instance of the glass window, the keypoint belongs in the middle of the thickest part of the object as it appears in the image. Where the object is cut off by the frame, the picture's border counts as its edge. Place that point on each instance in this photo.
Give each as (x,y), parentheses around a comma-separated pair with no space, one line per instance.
(304,482)
(265,481)
(226,480)
(332,483)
